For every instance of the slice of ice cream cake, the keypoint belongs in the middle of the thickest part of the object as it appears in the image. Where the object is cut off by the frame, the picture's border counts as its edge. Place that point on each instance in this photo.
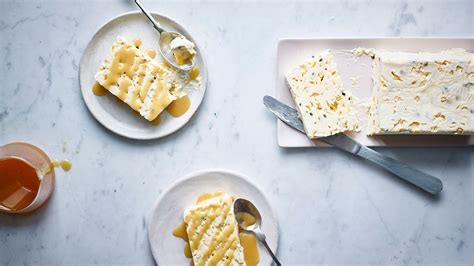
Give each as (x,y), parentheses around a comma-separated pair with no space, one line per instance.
(213,232)
(145,85)
(324,105)
(422,93)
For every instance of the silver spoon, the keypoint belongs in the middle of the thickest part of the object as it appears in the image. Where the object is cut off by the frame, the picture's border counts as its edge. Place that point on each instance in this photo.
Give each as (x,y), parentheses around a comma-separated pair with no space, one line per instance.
(165,39)
(245,206)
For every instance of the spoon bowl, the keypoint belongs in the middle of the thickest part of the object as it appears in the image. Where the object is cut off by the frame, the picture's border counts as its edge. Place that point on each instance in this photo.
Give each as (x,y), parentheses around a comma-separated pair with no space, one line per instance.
(166,37)
(245,206)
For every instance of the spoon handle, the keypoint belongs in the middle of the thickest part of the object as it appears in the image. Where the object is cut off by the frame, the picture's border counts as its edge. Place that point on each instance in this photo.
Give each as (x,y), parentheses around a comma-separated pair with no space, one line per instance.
(277,262)
(155,23)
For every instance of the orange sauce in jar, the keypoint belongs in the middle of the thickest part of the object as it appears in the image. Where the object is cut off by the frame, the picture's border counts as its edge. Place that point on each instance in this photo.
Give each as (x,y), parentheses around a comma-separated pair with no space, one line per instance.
(19,184)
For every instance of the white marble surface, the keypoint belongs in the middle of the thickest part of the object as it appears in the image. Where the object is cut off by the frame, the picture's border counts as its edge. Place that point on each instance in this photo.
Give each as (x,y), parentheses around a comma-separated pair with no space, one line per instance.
(333,208)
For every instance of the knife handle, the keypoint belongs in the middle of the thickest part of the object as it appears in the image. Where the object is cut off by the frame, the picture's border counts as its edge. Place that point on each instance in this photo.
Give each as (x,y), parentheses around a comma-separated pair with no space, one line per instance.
(418,178)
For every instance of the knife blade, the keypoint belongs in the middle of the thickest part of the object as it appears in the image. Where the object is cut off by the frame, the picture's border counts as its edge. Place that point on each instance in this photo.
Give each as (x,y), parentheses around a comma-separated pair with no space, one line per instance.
(412,175)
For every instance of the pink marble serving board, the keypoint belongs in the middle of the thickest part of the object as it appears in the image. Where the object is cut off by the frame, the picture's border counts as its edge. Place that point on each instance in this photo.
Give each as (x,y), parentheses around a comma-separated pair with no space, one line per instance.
(356,75)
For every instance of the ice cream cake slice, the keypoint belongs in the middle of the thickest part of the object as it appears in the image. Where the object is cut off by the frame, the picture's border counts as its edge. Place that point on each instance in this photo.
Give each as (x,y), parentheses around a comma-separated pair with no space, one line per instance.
(324,105)
(145,85)
(213,231)
(422,93)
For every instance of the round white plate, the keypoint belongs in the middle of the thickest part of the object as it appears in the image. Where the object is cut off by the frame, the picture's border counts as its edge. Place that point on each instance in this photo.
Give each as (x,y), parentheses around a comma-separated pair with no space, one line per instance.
(120,118)
(168,212)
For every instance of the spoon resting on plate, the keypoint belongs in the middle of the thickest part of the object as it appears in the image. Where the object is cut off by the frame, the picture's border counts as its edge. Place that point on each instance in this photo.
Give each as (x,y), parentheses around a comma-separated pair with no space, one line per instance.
(243,206)
(175,48)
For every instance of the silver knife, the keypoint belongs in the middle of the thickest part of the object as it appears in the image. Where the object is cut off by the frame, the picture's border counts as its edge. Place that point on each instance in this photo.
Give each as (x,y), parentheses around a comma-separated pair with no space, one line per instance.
(414,176)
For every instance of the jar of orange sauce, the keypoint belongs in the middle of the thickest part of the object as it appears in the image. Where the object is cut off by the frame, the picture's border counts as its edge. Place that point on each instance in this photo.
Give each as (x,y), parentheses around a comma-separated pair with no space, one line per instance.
(26,177)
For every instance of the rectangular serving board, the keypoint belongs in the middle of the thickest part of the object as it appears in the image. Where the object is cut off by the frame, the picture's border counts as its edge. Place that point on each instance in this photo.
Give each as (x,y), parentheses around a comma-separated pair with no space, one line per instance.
(356,73)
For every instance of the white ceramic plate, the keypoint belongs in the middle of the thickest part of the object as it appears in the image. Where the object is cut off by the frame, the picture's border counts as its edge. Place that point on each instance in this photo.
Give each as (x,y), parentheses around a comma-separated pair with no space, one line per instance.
(168,212)
(295,51)
(120,118)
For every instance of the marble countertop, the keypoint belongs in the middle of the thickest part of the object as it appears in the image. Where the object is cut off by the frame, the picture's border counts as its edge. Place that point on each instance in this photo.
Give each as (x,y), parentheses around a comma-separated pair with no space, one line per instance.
(333,208)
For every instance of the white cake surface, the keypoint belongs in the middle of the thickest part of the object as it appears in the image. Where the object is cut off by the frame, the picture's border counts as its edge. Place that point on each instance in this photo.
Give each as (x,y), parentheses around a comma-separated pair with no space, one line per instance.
(324,105)
(422,93)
